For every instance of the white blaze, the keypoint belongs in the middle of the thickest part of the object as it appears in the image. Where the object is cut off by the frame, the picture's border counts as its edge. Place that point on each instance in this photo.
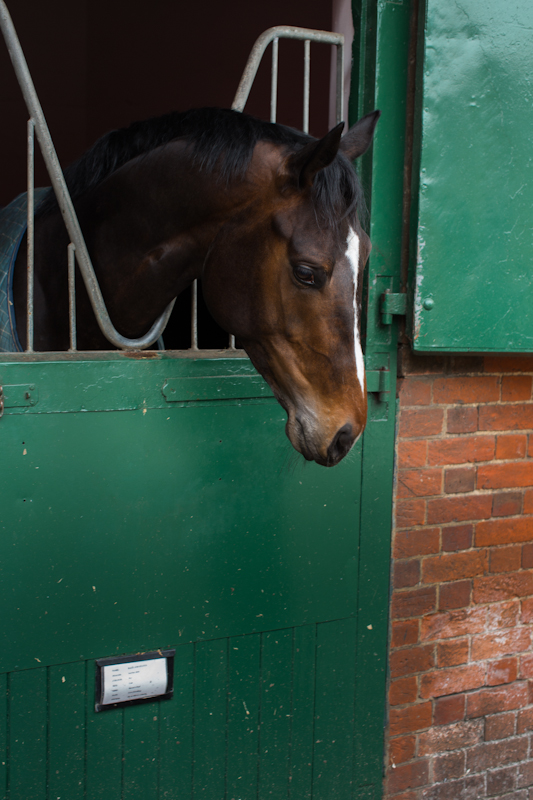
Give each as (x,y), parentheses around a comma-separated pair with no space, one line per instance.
(352,254)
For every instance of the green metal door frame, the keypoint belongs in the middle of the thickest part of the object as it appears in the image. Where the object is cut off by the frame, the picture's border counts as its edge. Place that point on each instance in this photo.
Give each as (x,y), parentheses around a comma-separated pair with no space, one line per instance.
(379,80)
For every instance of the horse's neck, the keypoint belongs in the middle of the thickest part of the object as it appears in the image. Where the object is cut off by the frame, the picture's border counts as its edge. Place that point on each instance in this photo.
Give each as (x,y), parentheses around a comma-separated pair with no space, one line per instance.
(148,229)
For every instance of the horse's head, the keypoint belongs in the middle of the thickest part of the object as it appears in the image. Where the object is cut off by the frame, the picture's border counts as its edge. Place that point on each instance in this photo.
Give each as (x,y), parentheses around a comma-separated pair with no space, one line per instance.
(285,277)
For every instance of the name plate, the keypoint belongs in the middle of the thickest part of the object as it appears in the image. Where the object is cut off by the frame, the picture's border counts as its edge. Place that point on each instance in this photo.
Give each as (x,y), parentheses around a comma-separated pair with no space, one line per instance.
(127,680)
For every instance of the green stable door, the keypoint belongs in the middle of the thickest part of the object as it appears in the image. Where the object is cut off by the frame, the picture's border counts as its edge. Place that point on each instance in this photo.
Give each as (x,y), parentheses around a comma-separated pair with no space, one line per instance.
(155,502)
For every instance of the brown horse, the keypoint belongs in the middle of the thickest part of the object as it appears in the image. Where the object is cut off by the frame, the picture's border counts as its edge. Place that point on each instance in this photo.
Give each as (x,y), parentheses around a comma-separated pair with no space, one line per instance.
(264,215)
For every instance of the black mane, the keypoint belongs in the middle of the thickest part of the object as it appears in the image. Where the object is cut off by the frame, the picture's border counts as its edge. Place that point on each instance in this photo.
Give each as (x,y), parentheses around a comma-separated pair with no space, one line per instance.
(223,142)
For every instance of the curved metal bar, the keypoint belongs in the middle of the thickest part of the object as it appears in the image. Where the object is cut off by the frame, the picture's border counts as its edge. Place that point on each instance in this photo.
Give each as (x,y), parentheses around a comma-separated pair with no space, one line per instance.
(65,203)
(261,44)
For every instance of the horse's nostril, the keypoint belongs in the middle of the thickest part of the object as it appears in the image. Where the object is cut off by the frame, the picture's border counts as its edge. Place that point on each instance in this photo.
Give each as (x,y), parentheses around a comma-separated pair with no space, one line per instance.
(341,443)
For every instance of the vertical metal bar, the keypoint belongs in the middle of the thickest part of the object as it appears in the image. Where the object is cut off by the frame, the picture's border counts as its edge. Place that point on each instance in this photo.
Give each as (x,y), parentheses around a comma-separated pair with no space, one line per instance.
(30,236)
(72,296)
(194,316)
(340,82)
(231,342)
(307,77)
(274,81)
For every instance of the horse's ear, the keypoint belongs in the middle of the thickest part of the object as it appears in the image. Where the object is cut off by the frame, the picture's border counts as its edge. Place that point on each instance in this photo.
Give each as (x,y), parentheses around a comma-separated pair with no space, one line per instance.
(304,165)
(358,139)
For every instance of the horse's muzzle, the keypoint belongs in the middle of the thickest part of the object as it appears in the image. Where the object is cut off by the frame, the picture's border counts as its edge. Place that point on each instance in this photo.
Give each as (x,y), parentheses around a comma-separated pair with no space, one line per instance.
(312,448)
(341,444)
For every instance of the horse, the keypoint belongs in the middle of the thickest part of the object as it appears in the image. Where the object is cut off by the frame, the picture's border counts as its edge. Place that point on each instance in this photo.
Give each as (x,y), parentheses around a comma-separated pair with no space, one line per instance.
(267,217)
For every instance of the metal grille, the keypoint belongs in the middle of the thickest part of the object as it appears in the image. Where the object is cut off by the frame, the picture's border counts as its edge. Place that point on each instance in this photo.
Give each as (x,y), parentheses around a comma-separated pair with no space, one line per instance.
(77,250)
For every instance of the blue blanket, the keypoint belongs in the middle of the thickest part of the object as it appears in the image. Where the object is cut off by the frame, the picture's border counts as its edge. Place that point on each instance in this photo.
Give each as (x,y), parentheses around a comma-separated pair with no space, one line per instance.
(13,222)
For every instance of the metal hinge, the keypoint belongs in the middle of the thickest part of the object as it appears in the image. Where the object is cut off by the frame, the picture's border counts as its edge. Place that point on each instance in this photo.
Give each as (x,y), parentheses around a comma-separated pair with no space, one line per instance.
(18,396)
(379,381)
(392,303)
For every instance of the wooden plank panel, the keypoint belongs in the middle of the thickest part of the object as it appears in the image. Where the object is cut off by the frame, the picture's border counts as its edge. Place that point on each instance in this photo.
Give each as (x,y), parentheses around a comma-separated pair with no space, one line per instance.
(27,734)
(176,731)
(334,709)
(141,752)
(243,716)
(276,656)
(303,710)
(104,747)
(210,716)
(66,731)
(3,736)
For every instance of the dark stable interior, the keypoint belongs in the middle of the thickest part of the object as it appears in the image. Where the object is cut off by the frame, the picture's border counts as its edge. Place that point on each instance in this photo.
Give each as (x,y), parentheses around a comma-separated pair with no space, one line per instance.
(101,65)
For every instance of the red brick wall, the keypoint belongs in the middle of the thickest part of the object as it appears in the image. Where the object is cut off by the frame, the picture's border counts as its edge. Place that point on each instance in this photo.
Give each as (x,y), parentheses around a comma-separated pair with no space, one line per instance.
(461,663)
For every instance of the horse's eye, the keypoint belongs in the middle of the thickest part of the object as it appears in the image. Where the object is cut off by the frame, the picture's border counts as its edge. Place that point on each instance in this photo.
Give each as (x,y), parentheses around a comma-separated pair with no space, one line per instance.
(304,274)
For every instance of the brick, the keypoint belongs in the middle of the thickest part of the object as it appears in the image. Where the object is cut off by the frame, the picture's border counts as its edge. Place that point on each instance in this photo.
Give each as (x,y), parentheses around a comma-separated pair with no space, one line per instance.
(461,420)
(401,749)
(508,363)
(525,774)
(449,709)
(408,776)
(506,418)
(419,482)
(469,788)
(415,392)
(452,681)
(459,479)
(496,754)
(416,543)
(406,573)
(451,654)
(410,719)
(413,602)
(406,796)
(505,476)
(504,531)
(511,446)
(408,661)
(526,615)
(505,559)
(404,632)
(503,615)
(493,645)
(506,504)
(503,671)
(524,721)
(500,726)
(410,512)
(526,665)
(528,501)
(450,737)
(501,780)
(448,767)
(479,389)
(451,624)
(453,566)
(462,450)
(502,587)
(459,509)
(458,537)
(403,691)
(412,454)
(455,595)
(530,445)
(493,701)
(516,388)
(527,556)
(421,422)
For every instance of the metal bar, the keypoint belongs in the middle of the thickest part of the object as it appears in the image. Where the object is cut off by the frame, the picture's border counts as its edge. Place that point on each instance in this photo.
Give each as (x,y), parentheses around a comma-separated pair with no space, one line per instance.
(307,81)
(340,83)
(72,297)
(63,198)
(30,235)
(232,342)
(281,32)
(274,81)
(194,316)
